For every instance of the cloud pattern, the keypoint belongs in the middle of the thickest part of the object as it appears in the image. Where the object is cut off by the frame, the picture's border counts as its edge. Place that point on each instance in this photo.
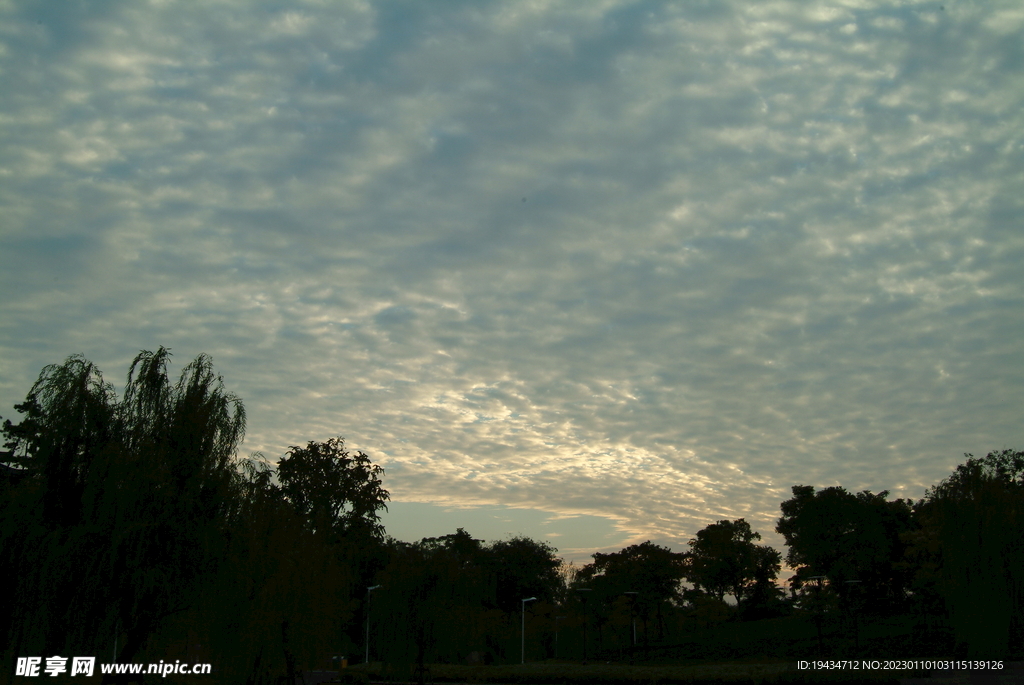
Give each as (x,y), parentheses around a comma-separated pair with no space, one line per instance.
(638,262)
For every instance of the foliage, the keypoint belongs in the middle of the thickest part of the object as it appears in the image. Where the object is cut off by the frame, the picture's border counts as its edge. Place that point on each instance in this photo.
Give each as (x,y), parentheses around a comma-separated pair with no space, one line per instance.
(705,611)
(131,521)
(651,571)
(445,597)
(973,540)
(69,415)
(847,537)
(430,605)
(123,508)
(338,495)
(282,597)
(336,492)
(723,558)
(523,568)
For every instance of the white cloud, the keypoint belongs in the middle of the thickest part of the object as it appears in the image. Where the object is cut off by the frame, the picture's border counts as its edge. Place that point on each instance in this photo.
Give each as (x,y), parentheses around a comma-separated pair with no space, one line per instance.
(646,265)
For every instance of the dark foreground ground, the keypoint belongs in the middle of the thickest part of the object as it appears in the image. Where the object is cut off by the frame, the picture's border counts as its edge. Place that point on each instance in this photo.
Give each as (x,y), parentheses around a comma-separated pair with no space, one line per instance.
(768,651)
(566,673)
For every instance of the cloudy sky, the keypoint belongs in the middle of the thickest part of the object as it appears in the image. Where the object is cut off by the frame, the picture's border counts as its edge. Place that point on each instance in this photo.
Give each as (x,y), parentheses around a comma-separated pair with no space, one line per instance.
(593,272)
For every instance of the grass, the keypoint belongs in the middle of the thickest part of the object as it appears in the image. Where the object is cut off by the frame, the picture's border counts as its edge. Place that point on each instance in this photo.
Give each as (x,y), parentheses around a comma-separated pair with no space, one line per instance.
(795,637)
(762,651)
(553,672)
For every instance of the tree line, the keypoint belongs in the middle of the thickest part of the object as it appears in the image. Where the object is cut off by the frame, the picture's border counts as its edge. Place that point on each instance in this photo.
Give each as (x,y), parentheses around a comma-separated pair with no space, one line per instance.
(130,530)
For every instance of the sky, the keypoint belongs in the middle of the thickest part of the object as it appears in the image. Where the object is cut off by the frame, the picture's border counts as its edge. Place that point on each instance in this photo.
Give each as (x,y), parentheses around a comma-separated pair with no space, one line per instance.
(591,272)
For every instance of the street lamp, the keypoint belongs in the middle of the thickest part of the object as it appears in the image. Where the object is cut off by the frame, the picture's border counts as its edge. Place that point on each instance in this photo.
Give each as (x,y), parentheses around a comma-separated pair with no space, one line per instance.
(368,591)
(583,598)
(522,628)
(557,619)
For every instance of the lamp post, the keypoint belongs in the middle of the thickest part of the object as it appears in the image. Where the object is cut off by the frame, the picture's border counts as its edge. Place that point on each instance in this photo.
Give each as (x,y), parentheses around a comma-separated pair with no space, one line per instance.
(368,591)
(522,628)
(583,598)
(632,622)
(557,619)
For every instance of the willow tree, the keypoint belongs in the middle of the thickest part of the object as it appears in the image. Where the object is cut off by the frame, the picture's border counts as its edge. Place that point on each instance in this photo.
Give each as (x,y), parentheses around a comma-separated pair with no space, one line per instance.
(68,417)
(122,506)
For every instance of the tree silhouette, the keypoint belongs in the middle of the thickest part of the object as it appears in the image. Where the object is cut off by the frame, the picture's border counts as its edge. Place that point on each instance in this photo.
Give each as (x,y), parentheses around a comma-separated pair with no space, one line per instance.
(846,537)
(976,517)
(70,412)
(652,571)
(124,508)
(524,568)
(433,602)
(448,596)
(338,493)
(723,558)
(283,596)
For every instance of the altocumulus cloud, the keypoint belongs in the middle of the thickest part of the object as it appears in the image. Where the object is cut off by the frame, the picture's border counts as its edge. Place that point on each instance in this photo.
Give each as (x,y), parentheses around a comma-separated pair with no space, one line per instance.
(641,263)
